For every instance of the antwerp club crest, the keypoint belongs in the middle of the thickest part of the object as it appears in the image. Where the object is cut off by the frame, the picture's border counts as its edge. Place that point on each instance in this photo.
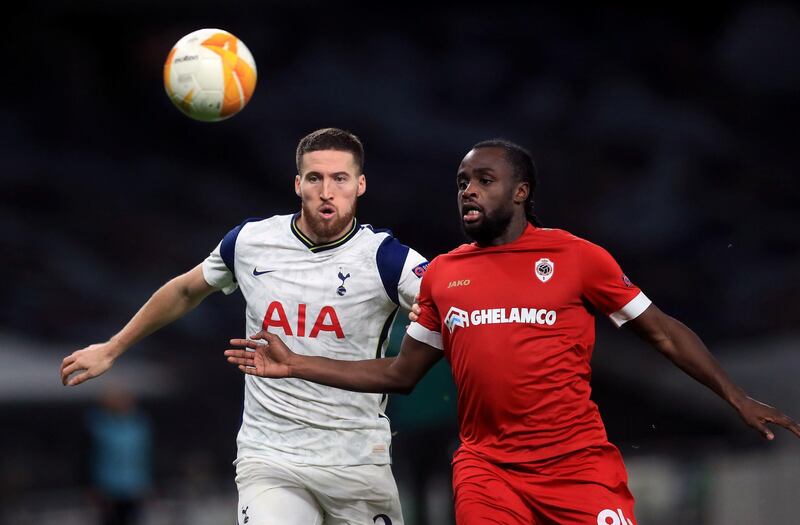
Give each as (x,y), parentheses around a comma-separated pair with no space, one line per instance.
(544,269)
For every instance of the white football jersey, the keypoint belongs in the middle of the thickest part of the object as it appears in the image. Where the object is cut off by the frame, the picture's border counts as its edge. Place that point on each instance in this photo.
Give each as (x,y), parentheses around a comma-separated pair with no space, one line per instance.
(336,300)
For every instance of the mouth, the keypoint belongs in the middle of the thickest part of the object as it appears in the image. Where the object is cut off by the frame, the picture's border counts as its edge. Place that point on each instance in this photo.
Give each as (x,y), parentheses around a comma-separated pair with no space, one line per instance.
(327,211)
(471,212)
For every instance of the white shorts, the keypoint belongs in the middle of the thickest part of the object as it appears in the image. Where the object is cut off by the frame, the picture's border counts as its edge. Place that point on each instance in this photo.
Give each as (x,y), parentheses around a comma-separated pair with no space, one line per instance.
(272,492)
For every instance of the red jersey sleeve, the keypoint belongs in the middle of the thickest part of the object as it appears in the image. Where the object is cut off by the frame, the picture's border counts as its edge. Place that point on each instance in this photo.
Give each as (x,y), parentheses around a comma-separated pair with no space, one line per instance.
(608,288)
(428,327)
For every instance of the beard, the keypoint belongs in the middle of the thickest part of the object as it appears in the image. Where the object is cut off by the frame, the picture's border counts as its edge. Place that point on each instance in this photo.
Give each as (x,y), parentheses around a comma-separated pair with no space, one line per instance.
(324,230)
(490,228)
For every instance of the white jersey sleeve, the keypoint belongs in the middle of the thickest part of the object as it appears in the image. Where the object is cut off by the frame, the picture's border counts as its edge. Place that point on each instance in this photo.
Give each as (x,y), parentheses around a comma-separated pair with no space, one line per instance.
(408,287)
(401,270)
(218,268)
(217,274)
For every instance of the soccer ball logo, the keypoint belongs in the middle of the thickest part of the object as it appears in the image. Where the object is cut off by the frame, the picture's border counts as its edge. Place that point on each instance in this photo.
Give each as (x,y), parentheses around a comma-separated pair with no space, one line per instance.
(210,75)
(544,269)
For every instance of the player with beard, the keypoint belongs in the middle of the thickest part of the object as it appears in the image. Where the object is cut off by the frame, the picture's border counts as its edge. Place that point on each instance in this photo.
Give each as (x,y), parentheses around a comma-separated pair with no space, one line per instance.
(510,314)
(307,454)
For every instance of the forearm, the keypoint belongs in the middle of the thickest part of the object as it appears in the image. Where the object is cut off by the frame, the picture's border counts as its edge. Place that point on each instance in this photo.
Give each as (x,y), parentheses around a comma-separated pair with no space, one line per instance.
(373,375)
(273,359)
(684,348)
(169,303)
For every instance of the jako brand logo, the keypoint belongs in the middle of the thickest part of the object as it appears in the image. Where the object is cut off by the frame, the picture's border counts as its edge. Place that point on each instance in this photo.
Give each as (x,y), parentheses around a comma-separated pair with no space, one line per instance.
(457,317)
(461,282)
(609,517)
(327,320)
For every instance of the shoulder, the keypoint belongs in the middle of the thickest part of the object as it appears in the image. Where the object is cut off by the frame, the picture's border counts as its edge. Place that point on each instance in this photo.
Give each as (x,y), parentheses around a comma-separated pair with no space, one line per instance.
(370,234)
(251,228)
(258,227)
(557,235)
(390,254)
(269,223)
(396,262)
(592,258)
(383,242)
(565,239)
(464,248)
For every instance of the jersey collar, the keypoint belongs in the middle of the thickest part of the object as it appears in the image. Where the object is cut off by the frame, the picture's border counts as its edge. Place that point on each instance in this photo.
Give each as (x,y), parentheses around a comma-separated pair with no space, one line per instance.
(328,245)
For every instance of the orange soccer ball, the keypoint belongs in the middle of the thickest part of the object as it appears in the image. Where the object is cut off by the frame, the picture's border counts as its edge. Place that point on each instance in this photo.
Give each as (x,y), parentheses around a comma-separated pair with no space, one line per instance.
(210,75)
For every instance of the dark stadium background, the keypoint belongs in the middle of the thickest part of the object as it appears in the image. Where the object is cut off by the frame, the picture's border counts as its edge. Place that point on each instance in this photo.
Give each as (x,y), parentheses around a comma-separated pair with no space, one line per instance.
(668,135)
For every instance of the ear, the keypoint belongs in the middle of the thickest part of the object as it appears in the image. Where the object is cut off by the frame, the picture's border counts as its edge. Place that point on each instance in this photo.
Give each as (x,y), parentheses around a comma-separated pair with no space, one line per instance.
(362,185)
(297,185)
(521,193)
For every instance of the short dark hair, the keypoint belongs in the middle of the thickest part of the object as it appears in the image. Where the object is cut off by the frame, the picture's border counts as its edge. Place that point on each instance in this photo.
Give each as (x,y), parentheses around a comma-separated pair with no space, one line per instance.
(524,168)
(331,138)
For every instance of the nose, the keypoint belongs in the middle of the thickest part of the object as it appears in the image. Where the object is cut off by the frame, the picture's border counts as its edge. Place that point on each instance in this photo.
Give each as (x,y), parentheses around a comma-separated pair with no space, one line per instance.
(326,191)
(469,191)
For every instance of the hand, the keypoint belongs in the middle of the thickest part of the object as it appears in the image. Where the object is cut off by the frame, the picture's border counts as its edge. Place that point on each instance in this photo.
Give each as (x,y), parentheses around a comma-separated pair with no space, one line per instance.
(269,359)
(413,314)
(92,361)
(757,415)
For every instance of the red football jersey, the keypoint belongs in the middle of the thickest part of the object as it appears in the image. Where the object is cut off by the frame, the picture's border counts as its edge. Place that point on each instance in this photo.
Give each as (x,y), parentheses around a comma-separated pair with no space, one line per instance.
(513,323)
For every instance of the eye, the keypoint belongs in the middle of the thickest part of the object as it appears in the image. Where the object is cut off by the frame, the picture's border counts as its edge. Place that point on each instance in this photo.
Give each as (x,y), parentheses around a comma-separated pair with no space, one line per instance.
(486,181)
(341,178)
(312,177)
(462,184)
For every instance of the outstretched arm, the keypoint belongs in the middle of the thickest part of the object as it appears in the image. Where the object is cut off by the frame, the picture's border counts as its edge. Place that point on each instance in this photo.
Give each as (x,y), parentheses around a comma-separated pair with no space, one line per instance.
(272,358)
(168,303)
(684,348)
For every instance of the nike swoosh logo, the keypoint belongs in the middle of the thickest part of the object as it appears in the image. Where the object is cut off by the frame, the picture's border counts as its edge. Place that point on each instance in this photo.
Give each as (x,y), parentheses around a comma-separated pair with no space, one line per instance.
(257,273)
